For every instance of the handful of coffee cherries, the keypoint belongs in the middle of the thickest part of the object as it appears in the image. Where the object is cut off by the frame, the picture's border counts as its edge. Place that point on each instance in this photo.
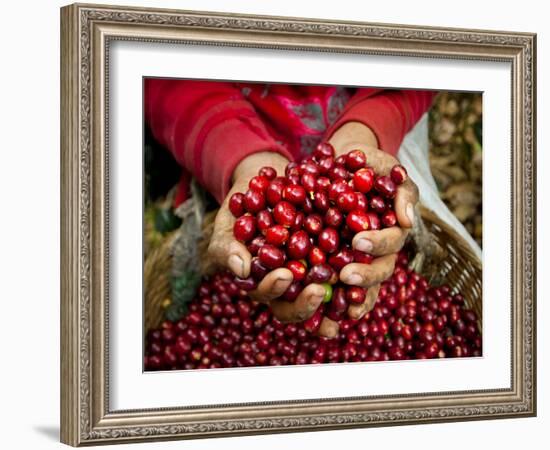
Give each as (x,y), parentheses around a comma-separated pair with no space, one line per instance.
(306,220)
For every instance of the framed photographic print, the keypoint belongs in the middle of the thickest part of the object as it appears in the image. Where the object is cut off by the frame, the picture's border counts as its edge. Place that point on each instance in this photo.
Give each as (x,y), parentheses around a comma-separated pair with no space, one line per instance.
(261,213)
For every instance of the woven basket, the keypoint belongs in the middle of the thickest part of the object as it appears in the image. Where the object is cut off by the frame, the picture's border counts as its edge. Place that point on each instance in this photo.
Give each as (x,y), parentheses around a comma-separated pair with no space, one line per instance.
(458,266)
(453,263)
(156,282)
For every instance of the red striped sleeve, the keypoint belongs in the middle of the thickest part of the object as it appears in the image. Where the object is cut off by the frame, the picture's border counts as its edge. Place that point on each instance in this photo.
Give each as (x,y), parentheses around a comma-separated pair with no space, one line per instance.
(390,114)
(208,126)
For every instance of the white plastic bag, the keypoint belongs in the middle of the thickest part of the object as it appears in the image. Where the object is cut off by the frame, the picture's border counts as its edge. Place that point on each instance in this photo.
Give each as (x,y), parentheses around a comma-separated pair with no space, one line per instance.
(413,154)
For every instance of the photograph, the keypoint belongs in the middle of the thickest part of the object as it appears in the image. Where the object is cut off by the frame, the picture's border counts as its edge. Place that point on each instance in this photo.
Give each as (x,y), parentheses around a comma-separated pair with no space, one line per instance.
(290,224)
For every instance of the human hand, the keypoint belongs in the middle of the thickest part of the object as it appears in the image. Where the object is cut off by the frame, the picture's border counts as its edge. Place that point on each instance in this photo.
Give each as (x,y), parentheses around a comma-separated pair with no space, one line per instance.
(382,244)
(234,255)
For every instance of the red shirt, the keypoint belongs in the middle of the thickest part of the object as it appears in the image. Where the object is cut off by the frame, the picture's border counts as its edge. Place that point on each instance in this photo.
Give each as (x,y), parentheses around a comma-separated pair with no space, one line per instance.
(210,126)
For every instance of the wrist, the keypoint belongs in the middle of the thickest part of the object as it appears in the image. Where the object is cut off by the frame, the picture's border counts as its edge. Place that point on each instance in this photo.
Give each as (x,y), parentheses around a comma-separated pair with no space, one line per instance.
(250,165)
(351,134)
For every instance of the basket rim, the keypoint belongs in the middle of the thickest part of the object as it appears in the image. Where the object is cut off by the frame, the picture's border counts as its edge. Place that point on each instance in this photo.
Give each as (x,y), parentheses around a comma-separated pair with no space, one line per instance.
(430,215)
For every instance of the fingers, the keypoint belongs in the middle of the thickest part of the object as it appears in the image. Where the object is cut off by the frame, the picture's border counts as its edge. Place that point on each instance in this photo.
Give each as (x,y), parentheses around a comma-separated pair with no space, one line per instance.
(407,193)
(230,253)
(225,249)
(273,285)
(380,242)
(406,198)
(329,328)
(380,161)
(358,311)
(302,308)
(367,275)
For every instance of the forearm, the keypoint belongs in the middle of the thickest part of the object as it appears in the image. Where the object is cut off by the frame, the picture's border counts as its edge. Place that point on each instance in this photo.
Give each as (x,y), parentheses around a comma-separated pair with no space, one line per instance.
(344,138)
(249,166)
(389,115)
(209,128)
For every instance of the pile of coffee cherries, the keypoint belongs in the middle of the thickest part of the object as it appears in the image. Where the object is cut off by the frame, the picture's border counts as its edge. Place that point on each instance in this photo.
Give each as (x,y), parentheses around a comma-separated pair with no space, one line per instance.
(225,328)
(305,221)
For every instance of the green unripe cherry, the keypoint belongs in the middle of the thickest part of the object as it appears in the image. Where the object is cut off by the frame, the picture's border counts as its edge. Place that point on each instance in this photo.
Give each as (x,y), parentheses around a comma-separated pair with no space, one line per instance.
(328,292)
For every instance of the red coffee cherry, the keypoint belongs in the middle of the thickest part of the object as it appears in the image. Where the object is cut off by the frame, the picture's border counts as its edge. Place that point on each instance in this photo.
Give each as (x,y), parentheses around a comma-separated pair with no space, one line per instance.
(295,194)
(284,214)
(258,183)
(355,160)
(389,219)
(274,192)
(357,221)
(264,220)
(271,256)
(277,235)
(334,218)
(269,172)
(254,201)
(398,174)
(236,204)
(323,150)
(298,245)
(356,294)
(245,228)
(313,224)
(347,201)
(316,256)
(363,180)
(298,269)
(328,240)
(385,186)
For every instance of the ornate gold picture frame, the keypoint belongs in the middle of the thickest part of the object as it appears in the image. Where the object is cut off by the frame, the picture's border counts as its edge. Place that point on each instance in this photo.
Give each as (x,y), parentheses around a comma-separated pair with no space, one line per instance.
(87,31)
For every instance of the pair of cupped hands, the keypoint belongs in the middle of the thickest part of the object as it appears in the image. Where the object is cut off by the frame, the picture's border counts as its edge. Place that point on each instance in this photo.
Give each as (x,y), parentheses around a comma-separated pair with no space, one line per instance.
(382,244)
